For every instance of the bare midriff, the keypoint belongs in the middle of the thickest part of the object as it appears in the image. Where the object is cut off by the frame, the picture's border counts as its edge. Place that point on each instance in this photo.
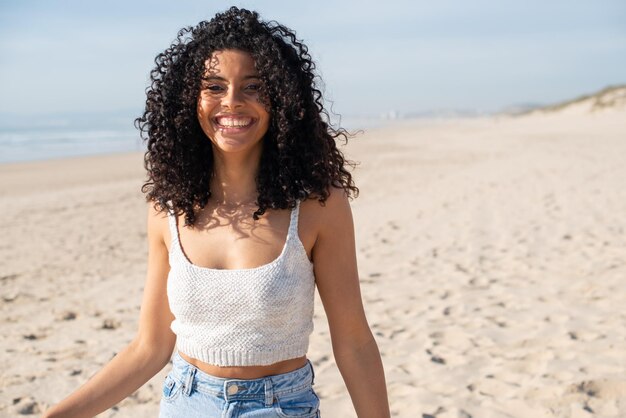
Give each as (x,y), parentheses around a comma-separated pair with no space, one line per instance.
(247,372)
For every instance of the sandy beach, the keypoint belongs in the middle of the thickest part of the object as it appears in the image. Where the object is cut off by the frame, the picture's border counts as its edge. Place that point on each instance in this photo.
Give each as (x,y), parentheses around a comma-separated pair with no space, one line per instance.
(492,258)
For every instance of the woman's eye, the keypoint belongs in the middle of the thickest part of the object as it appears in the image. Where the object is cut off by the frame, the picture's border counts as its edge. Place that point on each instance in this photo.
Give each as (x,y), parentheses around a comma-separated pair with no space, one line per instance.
(213,87)
(253,87)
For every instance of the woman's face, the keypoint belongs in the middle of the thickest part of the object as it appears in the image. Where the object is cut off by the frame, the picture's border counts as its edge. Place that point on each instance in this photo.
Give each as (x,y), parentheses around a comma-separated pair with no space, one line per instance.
(230,111)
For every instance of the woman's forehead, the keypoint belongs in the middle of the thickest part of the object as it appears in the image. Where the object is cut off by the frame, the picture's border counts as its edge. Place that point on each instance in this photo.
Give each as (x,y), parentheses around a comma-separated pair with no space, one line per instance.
(230,60)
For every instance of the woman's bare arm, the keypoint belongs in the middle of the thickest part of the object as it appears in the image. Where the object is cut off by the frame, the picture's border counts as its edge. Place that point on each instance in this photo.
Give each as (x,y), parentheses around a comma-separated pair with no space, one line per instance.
(354,346)
(149,351)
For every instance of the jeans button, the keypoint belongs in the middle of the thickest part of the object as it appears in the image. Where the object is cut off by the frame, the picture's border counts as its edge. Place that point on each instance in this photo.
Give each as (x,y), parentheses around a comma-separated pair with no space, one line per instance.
(232,389)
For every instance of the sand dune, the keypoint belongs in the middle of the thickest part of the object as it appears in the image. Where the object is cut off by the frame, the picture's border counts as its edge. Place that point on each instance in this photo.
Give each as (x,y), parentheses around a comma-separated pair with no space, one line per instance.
(611,99)
(492,256)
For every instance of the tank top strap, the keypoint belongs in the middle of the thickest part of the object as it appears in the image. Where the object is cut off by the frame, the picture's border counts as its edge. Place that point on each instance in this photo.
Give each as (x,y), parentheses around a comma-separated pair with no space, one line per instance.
(293,222)
(172,222)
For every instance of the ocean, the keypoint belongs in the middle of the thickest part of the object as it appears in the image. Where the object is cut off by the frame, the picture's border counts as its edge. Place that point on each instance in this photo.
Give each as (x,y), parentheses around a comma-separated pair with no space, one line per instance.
(43,137)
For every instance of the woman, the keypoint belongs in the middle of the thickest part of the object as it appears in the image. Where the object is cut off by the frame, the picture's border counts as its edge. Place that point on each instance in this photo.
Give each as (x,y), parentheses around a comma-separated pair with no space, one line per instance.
(248,213)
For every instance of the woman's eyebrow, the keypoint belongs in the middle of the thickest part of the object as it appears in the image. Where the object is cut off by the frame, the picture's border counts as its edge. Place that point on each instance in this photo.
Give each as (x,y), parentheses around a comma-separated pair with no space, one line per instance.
(217,77)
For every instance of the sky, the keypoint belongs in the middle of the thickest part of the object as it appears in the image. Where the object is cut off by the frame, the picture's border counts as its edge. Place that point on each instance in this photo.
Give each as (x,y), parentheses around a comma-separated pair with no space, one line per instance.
(374,57)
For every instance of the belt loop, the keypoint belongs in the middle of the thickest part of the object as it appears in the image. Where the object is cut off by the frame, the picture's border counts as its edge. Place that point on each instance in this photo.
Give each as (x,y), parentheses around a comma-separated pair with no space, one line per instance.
(189,380)
(312,372)
(183,375)
(269,392)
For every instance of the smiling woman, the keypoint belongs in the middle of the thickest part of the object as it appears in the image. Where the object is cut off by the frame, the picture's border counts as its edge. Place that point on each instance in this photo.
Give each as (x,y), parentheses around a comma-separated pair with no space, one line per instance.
(299,157)
(229,108)
(248,214)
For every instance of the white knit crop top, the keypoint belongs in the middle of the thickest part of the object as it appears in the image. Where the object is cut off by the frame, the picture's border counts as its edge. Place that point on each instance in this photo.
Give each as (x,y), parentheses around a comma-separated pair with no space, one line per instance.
(243,317)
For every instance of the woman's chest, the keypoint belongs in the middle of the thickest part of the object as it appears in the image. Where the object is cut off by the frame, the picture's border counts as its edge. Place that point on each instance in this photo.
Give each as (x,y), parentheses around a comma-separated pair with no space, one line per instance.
(238,241)
(233,248)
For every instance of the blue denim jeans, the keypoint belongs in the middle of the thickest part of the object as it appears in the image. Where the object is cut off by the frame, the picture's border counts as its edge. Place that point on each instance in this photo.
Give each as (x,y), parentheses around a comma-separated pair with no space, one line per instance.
(189,393)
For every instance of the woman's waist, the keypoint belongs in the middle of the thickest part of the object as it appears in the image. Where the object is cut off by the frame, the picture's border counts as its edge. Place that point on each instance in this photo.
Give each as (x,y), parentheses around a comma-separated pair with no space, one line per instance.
(245,372)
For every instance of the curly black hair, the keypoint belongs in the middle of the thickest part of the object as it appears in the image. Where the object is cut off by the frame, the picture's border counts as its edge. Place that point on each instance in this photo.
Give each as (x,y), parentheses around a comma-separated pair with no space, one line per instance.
(299,159)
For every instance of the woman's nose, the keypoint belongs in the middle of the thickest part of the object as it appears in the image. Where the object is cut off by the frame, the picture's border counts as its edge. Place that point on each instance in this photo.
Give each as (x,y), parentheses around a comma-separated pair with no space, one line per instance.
(233,98)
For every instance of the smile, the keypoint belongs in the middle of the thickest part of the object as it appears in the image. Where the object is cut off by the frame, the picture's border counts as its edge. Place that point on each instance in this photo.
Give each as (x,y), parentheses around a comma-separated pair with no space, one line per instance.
(233,122)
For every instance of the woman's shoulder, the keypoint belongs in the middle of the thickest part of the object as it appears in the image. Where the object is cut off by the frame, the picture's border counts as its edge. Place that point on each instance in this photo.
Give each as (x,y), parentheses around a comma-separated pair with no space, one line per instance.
(328,218)
(336,206)
(157,223)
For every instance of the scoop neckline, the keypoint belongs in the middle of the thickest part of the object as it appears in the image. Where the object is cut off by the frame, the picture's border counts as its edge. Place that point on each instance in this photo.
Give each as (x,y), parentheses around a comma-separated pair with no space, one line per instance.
(226,271)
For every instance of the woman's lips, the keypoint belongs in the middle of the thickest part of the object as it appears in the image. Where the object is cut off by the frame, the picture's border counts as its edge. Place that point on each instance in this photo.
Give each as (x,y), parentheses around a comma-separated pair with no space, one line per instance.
(233,121)
(231,124)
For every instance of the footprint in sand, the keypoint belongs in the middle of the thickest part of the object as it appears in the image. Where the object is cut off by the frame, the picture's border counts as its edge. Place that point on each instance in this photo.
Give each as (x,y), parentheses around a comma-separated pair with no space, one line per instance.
(26,406)
(67,316)
(11,297)
(434,357)
(8,277)
(111,324)
(443,412)
(320,361)
(603,389)
(33,336)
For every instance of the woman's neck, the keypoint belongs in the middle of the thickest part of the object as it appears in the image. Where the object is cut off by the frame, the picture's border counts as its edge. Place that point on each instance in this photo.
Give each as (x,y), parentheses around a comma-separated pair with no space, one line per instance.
(234,180)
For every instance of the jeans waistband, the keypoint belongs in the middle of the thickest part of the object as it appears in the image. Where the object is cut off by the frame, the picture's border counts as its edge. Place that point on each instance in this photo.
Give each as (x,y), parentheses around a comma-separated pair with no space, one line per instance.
(264,388)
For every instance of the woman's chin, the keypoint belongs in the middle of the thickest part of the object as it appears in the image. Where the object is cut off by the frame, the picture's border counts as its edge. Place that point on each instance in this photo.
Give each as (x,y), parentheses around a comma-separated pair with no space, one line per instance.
(234,145)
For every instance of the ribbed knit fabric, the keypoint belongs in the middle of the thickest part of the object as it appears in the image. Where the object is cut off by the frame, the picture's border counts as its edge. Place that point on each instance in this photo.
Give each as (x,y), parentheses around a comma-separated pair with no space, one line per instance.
(243,317)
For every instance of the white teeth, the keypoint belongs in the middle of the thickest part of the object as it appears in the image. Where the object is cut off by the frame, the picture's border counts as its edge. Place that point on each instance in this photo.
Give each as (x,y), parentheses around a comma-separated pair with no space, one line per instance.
(234,122)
